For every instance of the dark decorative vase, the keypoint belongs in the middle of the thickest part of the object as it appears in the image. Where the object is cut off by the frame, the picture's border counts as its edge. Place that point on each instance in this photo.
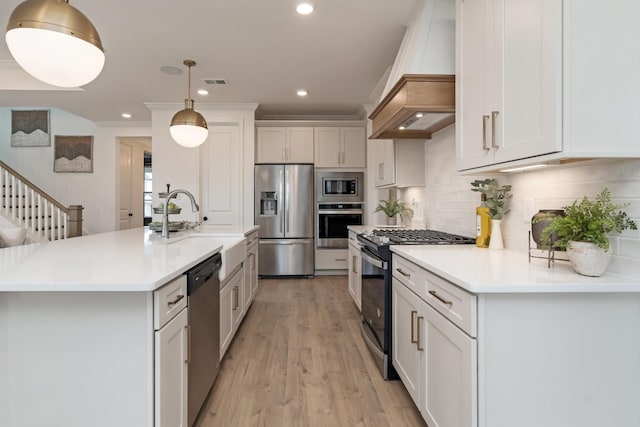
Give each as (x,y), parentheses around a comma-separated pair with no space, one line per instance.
(539,221)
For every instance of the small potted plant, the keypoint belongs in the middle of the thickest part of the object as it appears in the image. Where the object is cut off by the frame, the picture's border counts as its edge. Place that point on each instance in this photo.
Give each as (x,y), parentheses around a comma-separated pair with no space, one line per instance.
(583,230)
(392,208)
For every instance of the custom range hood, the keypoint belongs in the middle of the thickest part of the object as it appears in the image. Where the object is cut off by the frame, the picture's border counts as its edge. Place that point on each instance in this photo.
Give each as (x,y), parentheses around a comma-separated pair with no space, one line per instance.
(416,107)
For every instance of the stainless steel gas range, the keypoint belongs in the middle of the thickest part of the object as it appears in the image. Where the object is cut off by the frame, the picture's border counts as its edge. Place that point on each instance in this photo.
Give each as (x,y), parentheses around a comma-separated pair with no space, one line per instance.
(376,285)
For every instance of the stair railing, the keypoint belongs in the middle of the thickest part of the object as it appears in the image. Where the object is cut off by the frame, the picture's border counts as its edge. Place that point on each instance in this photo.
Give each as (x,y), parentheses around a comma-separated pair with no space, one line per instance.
(27,206)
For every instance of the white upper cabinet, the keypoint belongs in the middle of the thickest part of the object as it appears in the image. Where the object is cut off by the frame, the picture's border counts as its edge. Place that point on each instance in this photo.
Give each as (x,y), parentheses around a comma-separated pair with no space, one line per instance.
(284,145)
(509,80)
(398,163)
(536,83)
(340,147)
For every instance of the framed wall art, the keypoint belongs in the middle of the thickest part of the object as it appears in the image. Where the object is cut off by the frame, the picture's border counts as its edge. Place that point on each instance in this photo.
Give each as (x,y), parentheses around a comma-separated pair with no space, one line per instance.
(73,154)
(30,128)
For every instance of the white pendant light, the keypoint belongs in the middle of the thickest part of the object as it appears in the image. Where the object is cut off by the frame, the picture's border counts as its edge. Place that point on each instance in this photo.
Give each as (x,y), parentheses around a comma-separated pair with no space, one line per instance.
(55,43)
(188,127)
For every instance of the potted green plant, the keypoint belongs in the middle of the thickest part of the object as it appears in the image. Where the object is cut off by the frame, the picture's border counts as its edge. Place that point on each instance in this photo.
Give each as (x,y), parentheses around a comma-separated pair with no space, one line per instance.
(583,230)
(496,198)
(392,208)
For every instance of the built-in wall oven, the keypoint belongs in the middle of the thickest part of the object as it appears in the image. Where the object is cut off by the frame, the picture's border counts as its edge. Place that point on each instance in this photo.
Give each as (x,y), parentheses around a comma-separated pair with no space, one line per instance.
(339,204)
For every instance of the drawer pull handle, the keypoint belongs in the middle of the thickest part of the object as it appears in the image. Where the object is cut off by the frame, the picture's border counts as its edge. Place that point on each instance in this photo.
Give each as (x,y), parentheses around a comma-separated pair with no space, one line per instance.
(439,298)
(407,275)
(413,316)
(341,259)
(418,328)
(175,301)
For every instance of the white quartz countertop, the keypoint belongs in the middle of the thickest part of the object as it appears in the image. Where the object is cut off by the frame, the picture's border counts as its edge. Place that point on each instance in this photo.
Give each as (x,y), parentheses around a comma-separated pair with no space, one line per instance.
(507,271)
(130,260)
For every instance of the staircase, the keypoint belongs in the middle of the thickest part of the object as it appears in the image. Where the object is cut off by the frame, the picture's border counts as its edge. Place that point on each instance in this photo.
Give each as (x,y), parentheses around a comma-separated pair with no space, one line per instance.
(27,206)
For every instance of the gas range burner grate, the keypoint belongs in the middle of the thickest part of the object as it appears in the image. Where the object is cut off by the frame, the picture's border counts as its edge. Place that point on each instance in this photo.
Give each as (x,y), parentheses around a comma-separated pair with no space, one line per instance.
(421,237)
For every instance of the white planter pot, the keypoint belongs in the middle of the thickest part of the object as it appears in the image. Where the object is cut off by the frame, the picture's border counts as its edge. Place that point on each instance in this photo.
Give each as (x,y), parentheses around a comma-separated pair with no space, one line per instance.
(495,242)
(588,259)
(392,220)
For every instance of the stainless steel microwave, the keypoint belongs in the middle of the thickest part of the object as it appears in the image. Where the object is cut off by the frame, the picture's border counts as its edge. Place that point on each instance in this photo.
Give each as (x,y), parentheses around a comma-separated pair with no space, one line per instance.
(339,186)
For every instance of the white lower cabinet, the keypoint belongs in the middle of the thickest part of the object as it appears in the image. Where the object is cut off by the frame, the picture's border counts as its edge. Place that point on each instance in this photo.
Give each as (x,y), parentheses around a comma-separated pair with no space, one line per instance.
(250,268)
(231,308)
(435,359)
(171,364)
(355,278)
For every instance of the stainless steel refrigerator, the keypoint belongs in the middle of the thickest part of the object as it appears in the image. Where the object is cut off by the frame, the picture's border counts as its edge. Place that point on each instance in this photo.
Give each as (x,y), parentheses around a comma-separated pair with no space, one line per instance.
(284,212)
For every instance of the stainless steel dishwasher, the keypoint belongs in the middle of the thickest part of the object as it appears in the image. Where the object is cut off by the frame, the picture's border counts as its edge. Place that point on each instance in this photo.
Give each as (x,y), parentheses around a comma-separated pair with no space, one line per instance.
(203,291)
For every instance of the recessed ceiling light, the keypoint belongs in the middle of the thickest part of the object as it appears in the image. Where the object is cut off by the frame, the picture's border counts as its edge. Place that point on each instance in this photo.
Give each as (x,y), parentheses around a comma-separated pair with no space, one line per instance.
(418,115)
(402,128)
(304,8)
(302,92)
(203,92)
(126,115)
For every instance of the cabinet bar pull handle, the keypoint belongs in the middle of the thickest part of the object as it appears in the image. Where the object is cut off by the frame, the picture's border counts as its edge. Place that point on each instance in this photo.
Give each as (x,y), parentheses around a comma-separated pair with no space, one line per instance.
(418,328)
(485,119)
(439,298)
(175,301)
(340,259)
(188,328)
(494,114)
(413,332)
(235,297)
(407,275)
(284,154)
(353,263)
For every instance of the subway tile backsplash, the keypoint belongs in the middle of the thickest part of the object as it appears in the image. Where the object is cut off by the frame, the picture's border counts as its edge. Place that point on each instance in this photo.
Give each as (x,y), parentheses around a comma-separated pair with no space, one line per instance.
(449,204)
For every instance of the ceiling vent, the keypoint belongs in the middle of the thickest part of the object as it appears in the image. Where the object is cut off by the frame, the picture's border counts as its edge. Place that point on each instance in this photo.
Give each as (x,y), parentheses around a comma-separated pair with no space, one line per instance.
(215,81)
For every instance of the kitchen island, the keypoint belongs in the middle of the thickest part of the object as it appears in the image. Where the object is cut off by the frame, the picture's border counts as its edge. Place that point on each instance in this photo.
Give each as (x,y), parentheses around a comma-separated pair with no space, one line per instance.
(79,323)
(484,338)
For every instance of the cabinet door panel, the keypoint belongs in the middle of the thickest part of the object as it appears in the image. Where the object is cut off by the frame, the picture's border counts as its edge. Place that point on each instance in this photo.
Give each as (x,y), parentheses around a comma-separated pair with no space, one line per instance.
(473,69)
(406,356)
(528,75)
(270,145)
(450,370)
(299,145)
(353,147)
(327,147)
(171,373)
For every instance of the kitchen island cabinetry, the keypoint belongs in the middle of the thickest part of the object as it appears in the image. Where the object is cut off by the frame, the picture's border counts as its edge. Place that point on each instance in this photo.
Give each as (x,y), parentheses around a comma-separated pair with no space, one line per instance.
(340,147)
(250,267)
(284,145)
(231,308)
(521,94)
(93,330)
(507,343)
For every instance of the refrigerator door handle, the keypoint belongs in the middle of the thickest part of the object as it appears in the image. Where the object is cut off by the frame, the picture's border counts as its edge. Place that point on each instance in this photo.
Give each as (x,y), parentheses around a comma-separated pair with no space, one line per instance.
(284,242)
(287,199)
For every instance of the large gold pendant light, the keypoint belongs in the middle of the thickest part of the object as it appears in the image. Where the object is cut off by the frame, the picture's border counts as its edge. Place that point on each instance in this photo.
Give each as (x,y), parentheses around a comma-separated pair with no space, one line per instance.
(55,43)
(188,127)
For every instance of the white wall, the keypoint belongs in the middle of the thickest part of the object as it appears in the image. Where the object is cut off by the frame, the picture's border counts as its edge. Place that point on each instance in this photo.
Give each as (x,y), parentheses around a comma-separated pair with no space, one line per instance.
(95,191)
(449,204)
(180,166)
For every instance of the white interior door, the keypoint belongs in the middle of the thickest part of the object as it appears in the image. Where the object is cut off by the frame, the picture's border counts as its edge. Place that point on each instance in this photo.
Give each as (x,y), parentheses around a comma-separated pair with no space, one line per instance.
(126,178)
(131,188)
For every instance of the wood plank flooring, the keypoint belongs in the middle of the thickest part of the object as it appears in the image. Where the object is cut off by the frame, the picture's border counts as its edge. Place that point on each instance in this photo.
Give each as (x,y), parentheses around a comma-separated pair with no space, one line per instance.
(298,359)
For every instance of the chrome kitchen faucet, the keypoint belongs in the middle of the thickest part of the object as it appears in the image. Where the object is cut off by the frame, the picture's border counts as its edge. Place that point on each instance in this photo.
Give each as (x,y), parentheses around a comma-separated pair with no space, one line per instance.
(165,212)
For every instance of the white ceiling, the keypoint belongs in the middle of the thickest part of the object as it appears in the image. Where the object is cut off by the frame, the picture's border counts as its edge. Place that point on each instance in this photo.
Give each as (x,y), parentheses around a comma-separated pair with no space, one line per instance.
(263,48)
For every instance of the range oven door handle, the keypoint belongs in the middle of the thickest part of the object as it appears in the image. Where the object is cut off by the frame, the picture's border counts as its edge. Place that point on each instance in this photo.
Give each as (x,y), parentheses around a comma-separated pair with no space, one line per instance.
(340,212)
(373,260)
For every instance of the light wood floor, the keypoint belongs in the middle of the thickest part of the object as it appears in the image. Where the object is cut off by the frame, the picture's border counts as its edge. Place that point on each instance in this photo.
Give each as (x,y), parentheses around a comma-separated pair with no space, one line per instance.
(299,360)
